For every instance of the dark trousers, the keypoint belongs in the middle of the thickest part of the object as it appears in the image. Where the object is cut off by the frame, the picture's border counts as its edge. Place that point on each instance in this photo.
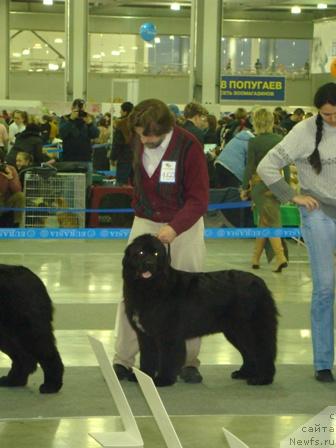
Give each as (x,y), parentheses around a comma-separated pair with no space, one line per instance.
(225,178)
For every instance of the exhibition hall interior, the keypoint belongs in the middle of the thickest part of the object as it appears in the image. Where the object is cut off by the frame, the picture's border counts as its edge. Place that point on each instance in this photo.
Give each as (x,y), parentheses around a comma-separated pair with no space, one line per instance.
(67,218)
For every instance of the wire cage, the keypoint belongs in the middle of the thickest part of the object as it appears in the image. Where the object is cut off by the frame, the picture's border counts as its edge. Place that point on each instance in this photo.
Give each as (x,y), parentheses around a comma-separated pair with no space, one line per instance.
(66,191)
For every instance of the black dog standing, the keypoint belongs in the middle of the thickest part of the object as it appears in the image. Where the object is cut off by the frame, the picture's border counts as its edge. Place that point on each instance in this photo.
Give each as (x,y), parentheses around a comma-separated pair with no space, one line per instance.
(26,332)
(166,306)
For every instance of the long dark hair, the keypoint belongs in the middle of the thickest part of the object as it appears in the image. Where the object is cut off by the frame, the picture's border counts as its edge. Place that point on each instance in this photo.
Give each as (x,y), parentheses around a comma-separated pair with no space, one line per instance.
(326,94)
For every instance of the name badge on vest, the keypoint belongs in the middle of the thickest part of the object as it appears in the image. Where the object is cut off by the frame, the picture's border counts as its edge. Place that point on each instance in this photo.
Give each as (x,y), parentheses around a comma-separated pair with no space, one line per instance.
(168,172)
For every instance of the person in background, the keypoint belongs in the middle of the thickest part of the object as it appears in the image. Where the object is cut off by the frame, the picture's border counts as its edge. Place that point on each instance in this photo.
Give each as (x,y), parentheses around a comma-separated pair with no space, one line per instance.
(239,122)
(20,120)
(258,66)
(195,120)
(53,127)
(175,110)
(171,188)
(231,162)
(76,131)
(45,129)
(277,129)
(3,138)
(121,153)
(108,120)
(104,132)
(210,135)
(6,117)
(29,141)
(23,161)
(267,205)
(311,146)
(290,121)
(11,195)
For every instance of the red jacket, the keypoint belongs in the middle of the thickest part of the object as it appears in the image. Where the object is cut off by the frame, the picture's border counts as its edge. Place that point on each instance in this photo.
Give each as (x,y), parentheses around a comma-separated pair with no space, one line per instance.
(182,203)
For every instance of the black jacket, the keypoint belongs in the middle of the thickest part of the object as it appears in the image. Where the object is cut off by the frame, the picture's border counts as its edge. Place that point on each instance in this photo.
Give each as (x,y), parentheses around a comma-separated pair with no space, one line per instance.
(197,132)
(30,142)
(77,136)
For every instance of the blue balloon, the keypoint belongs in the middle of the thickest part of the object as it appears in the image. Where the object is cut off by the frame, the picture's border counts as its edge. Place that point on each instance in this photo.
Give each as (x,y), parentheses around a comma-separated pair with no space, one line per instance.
(147,31)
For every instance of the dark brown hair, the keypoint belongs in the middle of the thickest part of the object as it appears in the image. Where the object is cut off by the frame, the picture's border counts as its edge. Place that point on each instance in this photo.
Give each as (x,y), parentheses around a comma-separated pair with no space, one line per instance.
(326,94)
(193,109)
(153,116)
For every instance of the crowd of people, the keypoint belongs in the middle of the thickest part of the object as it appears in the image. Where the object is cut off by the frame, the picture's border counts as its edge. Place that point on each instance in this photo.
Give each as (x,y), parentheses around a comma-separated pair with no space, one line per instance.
(24,138)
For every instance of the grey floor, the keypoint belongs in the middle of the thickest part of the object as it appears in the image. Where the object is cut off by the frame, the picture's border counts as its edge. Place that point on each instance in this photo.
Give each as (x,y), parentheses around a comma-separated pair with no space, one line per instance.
(84,281)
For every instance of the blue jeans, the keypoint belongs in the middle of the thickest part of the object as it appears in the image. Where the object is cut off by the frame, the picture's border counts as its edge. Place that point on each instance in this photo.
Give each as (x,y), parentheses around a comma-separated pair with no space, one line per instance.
(319,233)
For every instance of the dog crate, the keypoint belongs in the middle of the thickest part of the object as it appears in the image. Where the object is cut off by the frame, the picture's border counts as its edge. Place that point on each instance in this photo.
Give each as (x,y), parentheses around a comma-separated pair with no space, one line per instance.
(109,197)
(52,191)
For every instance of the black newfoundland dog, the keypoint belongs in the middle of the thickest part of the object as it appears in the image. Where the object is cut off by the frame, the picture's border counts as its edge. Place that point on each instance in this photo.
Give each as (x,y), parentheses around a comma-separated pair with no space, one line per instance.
(166,306)
(26,333)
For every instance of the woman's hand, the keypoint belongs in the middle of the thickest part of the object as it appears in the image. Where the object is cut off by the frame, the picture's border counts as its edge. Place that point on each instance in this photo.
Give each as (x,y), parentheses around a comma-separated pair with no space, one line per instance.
(244,195)
(166,234)
(307,201)
(7,173)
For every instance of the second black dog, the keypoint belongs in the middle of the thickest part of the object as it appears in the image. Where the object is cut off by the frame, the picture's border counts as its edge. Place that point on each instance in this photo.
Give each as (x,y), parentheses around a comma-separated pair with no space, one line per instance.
(166,306)
(26,333)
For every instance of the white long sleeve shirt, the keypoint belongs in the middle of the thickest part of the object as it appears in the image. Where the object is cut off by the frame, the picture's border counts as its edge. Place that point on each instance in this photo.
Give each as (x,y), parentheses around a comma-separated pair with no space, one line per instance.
(295,148)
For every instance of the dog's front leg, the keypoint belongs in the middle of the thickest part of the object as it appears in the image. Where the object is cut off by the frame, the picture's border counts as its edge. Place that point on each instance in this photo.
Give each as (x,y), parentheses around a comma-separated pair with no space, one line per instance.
(148,354)
(172,354)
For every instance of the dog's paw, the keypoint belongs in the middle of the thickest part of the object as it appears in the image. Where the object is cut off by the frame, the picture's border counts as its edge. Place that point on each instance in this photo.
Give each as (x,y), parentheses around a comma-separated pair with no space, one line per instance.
(259,381)
(161,381)
(241,375)
(132,378)
(50,388)
(6,381)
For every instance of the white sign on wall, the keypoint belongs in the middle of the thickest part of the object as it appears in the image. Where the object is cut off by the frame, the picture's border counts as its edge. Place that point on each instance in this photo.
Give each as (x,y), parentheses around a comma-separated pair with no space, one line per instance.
(324,46)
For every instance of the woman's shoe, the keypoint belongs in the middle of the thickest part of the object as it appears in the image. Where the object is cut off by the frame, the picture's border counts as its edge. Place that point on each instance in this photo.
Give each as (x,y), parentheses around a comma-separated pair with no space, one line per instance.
(281,267)
(325,376)
(258,250)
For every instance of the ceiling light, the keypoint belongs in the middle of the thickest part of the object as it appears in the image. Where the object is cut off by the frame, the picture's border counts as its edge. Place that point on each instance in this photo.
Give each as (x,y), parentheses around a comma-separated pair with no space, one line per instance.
(296,10)
(115,53)
(171,37)
(16,55)
(48,2)
(175,6)
(157,40)
(322,6)
(53,67)
(26,51)
(58,40)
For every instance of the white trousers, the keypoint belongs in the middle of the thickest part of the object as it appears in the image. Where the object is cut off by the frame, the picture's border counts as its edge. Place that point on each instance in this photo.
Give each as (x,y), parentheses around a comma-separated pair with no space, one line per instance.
(188,254)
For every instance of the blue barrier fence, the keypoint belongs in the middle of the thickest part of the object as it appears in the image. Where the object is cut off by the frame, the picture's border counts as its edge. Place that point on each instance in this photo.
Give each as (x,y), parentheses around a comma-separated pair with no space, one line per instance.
(222,206)
(123,233)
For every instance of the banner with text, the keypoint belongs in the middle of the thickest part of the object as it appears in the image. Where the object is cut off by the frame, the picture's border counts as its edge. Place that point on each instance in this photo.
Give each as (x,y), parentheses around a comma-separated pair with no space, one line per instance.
(256,88)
